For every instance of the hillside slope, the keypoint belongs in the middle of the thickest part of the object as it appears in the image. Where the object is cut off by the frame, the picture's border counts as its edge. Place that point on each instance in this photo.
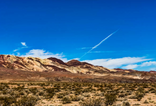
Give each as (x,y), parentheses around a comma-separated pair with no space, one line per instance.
(75,67)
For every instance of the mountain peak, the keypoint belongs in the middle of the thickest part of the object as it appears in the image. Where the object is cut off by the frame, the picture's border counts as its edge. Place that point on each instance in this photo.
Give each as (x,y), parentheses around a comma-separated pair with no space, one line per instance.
(73,63)
(56,60)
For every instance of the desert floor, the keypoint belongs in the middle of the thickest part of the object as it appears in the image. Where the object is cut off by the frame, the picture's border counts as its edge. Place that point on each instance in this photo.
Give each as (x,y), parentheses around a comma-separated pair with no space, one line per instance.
(77,94)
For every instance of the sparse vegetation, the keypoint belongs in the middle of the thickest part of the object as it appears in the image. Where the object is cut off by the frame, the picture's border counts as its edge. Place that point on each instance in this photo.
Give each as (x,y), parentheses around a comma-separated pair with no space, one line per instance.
(92,102)
(83,94)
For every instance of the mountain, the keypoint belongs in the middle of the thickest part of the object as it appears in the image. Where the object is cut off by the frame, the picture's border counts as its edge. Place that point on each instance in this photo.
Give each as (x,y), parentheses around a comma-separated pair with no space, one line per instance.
(73,68)
(49,64)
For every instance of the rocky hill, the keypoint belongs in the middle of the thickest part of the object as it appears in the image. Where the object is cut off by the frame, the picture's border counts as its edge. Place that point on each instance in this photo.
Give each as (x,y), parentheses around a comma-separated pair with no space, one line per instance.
(49,64)
(74,67)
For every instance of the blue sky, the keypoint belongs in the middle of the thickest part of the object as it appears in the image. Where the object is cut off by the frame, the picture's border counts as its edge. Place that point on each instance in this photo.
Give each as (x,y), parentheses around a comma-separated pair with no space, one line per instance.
(67,29)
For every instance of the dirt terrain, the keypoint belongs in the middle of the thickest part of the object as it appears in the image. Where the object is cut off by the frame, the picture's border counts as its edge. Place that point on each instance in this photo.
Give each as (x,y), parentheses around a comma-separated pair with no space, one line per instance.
(77,94)
(27,81)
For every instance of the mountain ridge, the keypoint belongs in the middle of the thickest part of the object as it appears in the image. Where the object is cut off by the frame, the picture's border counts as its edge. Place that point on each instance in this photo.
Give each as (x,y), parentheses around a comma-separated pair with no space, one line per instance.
(51,64)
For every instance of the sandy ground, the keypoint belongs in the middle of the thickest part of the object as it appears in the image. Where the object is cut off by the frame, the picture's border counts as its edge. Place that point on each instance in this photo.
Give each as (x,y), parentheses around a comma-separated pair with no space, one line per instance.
(150,98)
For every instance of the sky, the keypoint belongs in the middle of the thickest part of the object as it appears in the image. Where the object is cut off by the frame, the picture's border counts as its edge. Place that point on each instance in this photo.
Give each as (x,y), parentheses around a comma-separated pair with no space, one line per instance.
(73,29)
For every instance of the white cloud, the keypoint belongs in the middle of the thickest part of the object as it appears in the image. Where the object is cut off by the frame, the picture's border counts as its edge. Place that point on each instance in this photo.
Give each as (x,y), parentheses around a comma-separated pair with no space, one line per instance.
(76,58)
(23,43)
(148,63)
(85,48)
(38,53)
(23,46)
(145,65)
(43,54)
(101,51)
(131,66)
(153,69)
(15,50)
(118,62)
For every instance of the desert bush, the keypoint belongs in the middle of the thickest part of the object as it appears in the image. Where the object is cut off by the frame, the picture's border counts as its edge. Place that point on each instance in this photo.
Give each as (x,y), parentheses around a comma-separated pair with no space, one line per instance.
(61,95)
(140,89)
(76,98)
(4,92)
(87,90)
(86,94)
(50,93)
(136,104)
(139,96)
(15,94)
(146,102)
(2,87)
(110,99)
(21,93)
(145,85)
(121,95)
(151,89)
(7,101)
(101,89)
(99,94)
(41,93)
(66,100)
(129,93)
(146,91)
(27,101)
(19,88)
(126,104)
(33,90)
(78,91)
(132,97)
(92,102)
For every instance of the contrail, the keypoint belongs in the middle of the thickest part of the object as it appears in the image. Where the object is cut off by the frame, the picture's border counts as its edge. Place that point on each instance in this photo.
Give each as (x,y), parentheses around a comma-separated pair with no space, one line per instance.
(99,43)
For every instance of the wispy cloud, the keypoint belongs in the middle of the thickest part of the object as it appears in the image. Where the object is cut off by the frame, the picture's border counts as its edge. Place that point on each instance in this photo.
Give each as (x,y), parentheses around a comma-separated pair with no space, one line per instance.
(85,48)
(149,63)
(38,53)
(131,66)
(118,62)
(44,54)
(152,68)
(146,66)
(99,43)
(23,43)
(102,52)
(23,46)
(125,62)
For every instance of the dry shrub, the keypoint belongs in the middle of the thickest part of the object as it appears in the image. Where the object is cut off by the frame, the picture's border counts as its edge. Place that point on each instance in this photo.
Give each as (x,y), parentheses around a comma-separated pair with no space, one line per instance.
(66,100)
(86,94)
(126,104)
(77,98)
(139,95)
(27,101)
(110,99)
(6,101)
(92,102)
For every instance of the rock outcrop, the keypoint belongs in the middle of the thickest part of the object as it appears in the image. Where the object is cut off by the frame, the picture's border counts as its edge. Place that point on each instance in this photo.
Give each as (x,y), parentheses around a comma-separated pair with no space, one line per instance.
(32,64)
(49,64)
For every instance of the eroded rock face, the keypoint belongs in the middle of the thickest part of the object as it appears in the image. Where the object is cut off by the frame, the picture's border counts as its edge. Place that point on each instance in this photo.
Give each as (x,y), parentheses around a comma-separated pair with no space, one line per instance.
(27,63)
(56,60)
(49,64)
